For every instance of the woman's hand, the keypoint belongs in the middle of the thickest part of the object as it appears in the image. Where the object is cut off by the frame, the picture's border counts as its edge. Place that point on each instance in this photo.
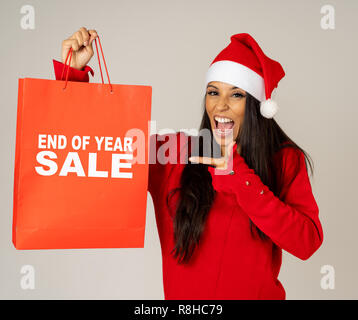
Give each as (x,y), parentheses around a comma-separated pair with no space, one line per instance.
(219,163)
(81,44)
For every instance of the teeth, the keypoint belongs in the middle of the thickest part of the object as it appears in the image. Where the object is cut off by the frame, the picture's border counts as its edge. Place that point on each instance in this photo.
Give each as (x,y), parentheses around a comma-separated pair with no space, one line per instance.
(219,119)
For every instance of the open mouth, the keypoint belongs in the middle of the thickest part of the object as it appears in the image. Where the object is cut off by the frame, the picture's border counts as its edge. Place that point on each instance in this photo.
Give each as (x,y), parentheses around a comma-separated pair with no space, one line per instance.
(223,125)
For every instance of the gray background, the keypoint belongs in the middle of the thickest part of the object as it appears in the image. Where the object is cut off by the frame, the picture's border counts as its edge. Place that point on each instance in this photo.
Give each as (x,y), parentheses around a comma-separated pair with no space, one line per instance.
(169,45)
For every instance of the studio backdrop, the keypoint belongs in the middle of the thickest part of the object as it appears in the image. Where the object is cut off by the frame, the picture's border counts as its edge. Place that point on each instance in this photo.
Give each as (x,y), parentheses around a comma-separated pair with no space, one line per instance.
(166,47)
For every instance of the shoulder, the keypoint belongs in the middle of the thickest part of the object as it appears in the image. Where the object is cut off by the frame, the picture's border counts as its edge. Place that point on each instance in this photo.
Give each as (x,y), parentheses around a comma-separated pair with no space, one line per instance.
(288,152)
(289,160)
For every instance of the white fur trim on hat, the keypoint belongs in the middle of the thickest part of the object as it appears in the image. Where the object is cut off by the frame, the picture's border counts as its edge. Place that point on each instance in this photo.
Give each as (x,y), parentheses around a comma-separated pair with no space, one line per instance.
(237,75)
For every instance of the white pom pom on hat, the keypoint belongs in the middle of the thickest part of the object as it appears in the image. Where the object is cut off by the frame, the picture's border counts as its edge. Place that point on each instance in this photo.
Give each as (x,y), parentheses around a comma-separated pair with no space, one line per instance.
(268,108)
(243,64)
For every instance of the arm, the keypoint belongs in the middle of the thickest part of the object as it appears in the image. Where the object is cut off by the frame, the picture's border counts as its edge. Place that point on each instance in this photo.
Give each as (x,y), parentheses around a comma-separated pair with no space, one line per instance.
(74,74)
(292,223)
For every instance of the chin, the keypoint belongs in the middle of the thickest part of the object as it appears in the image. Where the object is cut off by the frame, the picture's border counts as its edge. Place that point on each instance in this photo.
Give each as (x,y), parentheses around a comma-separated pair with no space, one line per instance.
(223,141)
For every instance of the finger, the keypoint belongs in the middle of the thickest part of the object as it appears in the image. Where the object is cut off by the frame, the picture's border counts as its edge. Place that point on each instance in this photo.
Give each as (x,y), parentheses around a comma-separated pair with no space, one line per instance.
(93,35)
(207,160)
(70,43)
(78,36)
(204,160)
(85,35)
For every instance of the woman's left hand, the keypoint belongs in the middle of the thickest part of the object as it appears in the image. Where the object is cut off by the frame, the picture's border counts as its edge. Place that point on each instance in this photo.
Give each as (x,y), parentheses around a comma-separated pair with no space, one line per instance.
(219,163)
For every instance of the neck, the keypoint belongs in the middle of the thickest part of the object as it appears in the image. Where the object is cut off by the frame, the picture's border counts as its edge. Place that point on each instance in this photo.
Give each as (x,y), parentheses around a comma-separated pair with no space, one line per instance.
(223,151)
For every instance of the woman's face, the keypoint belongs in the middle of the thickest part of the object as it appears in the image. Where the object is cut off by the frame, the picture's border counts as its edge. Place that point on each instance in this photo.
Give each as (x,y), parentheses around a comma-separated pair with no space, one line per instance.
(225,105)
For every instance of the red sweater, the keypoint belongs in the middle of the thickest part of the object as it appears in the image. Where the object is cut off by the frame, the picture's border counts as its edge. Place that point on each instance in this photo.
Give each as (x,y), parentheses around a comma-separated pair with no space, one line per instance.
(229,262)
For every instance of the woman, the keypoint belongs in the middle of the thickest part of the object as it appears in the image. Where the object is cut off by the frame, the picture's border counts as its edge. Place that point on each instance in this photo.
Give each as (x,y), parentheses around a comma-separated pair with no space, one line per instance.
(222,234)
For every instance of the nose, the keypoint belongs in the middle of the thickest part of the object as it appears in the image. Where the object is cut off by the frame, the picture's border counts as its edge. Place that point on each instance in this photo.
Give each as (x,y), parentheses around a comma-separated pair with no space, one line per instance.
(222,104)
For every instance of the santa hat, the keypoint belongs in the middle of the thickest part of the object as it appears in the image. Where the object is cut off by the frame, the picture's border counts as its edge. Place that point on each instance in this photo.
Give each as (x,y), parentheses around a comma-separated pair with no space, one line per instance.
(243,64)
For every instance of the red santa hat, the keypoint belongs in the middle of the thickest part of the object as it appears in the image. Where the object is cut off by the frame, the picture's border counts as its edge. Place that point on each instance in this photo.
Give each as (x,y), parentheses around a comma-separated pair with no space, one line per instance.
(243,64)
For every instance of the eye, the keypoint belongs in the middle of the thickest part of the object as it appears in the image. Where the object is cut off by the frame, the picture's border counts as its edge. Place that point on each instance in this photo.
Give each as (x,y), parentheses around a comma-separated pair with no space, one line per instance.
(238,95)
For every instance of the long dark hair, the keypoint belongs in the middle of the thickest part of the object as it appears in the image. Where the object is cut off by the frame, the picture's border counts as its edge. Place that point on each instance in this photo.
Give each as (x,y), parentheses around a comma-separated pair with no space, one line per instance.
(260,138)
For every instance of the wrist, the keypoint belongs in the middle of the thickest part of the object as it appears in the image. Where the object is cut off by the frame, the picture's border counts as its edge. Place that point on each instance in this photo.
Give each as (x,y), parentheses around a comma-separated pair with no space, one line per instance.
(224,180)
(80,68)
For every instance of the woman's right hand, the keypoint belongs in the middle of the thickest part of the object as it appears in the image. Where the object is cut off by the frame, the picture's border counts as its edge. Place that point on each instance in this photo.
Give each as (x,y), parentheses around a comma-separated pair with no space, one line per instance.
(81,44)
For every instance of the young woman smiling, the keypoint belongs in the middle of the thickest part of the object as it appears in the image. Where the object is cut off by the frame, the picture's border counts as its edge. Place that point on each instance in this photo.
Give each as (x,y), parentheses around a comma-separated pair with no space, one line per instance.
(222,235)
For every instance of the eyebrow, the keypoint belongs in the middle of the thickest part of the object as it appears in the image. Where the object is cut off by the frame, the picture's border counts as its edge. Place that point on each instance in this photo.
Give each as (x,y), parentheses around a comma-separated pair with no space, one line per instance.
(232,88)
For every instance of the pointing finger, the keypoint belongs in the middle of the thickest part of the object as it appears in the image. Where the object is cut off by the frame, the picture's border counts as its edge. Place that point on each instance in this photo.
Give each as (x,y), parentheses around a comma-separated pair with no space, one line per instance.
(207,160)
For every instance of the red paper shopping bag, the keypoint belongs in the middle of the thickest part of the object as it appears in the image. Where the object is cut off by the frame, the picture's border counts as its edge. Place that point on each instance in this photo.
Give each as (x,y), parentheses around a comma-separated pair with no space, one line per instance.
(75,185)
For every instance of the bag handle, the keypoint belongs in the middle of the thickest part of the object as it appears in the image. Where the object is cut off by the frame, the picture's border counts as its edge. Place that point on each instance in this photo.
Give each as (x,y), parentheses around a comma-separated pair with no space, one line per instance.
(104,62)
(69,55)
(68,67)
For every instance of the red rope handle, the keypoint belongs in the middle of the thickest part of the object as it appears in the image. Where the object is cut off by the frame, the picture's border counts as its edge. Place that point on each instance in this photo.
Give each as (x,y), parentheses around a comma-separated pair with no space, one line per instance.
(69,55)
(99,61)
(105,65)
(68,67)
(64,66)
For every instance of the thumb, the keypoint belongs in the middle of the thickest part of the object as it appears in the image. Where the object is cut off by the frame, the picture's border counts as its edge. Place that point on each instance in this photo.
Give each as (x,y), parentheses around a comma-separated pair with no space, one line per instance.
(230,149)
(89,48)
(230,155)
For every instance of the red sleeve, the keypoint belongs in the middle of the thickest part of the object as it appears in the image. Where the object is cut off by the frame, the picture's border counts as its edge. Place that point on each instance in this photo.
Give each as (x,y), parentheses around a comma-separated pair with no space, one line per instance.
(74,74)
(292,223)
